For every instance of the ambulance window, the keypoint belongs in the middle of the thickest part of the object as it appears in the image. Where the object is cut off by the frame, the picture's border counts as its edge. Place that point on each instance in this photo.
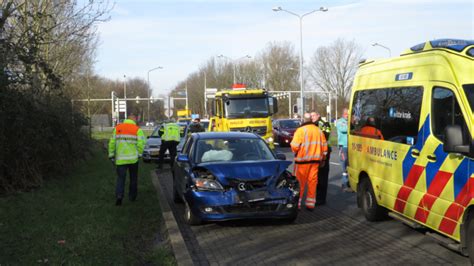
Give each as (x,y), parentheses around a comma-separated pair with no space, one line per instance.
(469,91)
(445,111)
(391,114)
(470,52)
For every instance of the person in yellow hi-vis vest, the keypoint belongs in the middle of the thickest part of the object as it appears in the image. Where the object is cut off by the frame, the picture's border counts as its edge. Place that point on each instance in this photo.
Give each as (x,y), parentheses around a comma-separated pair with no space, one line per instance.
(125,148)
(170,137)
(310,148)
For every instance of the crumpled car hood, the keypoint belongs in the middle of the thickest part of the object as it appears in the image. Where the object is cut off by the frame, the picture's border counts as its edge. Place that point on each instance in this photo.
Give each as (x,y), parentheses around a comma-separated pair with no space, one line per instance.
(224,171)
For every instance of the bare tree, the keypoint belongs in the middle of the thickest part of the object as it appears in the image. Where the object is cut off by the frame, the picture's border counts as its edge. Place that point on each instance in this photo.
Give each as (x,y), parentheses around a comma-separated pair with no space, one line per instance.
(280,71)
(332,68)
(44,45)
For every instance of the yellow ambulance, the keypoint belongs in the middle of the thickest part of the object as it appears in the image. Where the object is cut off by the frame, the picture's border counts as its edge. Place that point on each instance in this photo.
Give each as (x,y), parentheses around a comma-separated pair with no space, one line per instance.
(410,143)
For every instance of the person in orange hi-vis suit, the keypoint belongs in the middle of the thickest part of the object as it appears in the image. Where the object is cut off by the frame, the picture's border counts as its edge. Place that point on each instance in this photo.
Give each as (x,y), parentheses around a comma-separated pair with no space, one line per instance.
(310,148)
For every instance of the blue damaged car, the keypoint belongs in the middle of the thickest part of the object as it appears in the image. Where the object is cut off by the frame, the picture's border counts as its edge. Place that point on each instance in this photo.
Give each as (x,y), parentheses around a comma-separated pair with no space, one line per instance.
(233,175)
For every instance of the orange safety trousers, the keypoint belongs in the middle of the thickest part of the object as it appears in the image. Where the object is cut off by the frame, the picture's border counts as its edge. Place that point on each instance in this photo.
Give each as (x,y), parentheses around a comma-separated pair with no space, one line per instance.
(307,175)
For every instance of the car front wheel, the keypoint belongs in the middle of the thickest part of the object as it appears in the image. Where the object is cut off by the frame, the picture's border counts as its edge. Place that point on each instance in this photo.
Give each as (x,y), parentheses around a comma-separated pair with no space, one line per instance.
(189,217)
(372,211)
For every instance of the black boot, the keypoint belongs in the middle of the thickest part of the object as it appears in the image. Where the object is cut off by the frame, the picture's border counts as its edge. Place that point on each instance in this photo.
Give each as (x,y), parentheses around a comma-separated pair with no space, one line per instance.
(118,202)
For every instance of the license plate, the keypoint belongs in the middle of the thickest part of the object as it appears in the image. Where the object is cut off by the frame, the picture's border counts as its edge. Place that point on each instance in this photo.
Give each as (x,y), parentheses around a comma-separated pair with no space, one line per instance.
(154,153)
(252,196)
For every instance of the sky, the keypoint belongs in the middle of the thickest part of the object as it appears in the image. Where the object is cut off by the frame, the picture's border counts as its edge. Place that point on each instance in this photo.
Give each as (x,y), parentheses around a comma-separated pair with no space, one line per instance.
(182,35)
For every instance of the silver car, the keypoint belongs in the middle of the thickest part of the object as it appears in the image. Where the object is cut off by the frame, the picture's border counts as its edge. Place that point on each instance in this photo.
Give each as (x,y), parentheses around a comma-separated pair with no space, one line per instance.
(153,143)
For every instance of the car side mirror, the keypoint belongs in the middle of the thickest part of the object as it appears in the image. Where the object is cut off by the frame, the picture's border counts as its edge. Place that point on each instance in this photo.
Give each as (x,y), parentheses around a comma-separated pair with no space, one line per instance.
(453,140)
(182,158)
(148,137)
(281,156)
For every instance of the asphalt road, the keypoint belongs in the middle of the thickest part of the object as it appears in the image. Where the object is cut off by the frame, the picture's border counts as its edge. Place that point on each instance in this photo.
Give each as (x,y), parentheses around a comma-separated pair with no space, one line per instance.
(336,233)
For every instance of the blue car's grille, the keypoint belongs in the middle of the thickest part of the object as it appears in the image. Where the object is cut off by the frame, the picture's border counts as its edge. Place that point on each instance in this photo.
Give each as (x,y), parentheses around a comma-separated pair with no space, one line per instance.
(249,208)
(249,184)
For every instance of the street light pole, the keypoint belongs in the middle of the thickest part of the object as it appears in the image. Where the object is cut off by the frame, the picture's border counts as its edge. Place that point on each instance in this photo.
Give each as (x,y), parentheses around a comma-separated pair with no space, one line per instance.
(300,17)
(385,47)
(149,88)
(186,88)
(234,60)
(205,94)
(125,93)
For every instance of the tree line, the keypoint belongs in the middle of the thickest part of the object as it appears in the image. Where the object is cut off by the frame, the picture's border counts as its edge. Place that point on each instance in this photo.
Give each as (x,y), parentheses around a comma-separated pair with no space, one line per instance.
(46,51)
(330,71)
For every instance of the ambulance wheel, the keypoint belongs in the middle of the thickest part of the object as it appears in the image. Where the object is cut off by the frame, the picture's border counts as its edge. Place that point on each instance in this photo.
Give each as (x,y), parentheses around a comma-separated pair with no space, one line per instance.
(372,211)
(189,217)
(470,237)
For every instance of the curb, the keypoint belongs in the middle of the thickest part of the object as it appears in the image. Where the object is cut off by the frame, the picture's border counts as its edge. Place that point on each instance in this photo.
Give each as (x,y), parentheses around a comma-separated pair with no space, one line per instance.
(178,246)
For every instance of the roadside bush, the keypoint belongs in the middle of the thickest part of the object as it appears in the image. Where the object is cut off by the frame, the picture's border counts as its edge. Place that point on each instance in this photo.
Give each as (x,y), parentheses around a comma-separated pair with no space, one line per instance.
(39,138)
(45,46)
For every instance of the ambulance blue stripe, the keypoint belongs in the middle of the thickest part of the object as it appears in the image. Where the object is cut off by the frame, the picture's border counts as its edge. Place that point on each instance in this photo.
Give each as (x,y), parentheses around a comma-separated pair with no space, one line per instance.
(407,164)
(432,168)
(461,175)
(423,134)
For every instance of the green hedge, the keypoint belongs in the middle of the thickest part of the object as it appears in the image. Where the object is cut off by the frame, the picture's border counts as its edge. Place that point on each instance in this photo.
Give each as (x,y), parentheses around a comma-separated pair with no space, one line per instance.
(39,137)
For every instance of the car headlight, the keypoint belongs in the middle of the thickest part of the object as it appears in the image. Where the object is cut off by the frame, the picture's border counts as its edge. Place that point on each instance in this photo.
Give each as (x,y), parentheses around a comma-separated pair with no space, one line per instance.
(208,184)
(270,140)
(147,146)
(287,180)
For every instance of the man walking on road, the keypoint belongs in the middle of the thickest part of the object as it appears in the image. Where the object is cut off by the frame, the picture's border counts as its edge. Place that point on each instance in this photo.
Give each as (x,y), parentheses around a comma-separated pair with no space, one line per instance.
(310,148)
(125,148)
(341,126)
(170,136)
(323,175)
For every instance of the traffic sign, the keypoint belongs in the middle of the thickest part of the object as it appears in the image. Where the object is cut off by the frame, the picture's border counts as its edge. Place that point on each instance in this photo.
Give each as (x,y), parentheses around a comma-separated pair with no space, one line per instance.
(211,93)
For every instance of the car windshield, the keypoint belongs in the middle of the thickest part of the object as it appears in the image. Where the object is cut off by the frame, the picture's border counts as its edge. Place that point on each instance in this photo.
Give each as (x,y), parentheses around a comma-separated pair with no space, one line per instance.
(232,149)
(246,107)
(469,90)
(289,123)
(154,134)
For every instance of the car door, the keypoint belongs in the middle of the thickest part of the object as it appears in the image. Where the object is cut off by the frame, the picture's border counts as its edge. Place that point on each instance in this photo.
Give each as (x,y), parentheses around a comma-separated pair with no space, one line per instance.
(447,174)
(182,169)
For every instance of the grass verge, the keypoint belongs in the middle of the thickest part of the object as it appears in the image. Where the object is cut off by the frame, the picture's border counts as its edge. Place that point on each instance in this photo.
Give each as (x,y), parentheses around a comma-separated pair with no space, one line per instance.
(73,220)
